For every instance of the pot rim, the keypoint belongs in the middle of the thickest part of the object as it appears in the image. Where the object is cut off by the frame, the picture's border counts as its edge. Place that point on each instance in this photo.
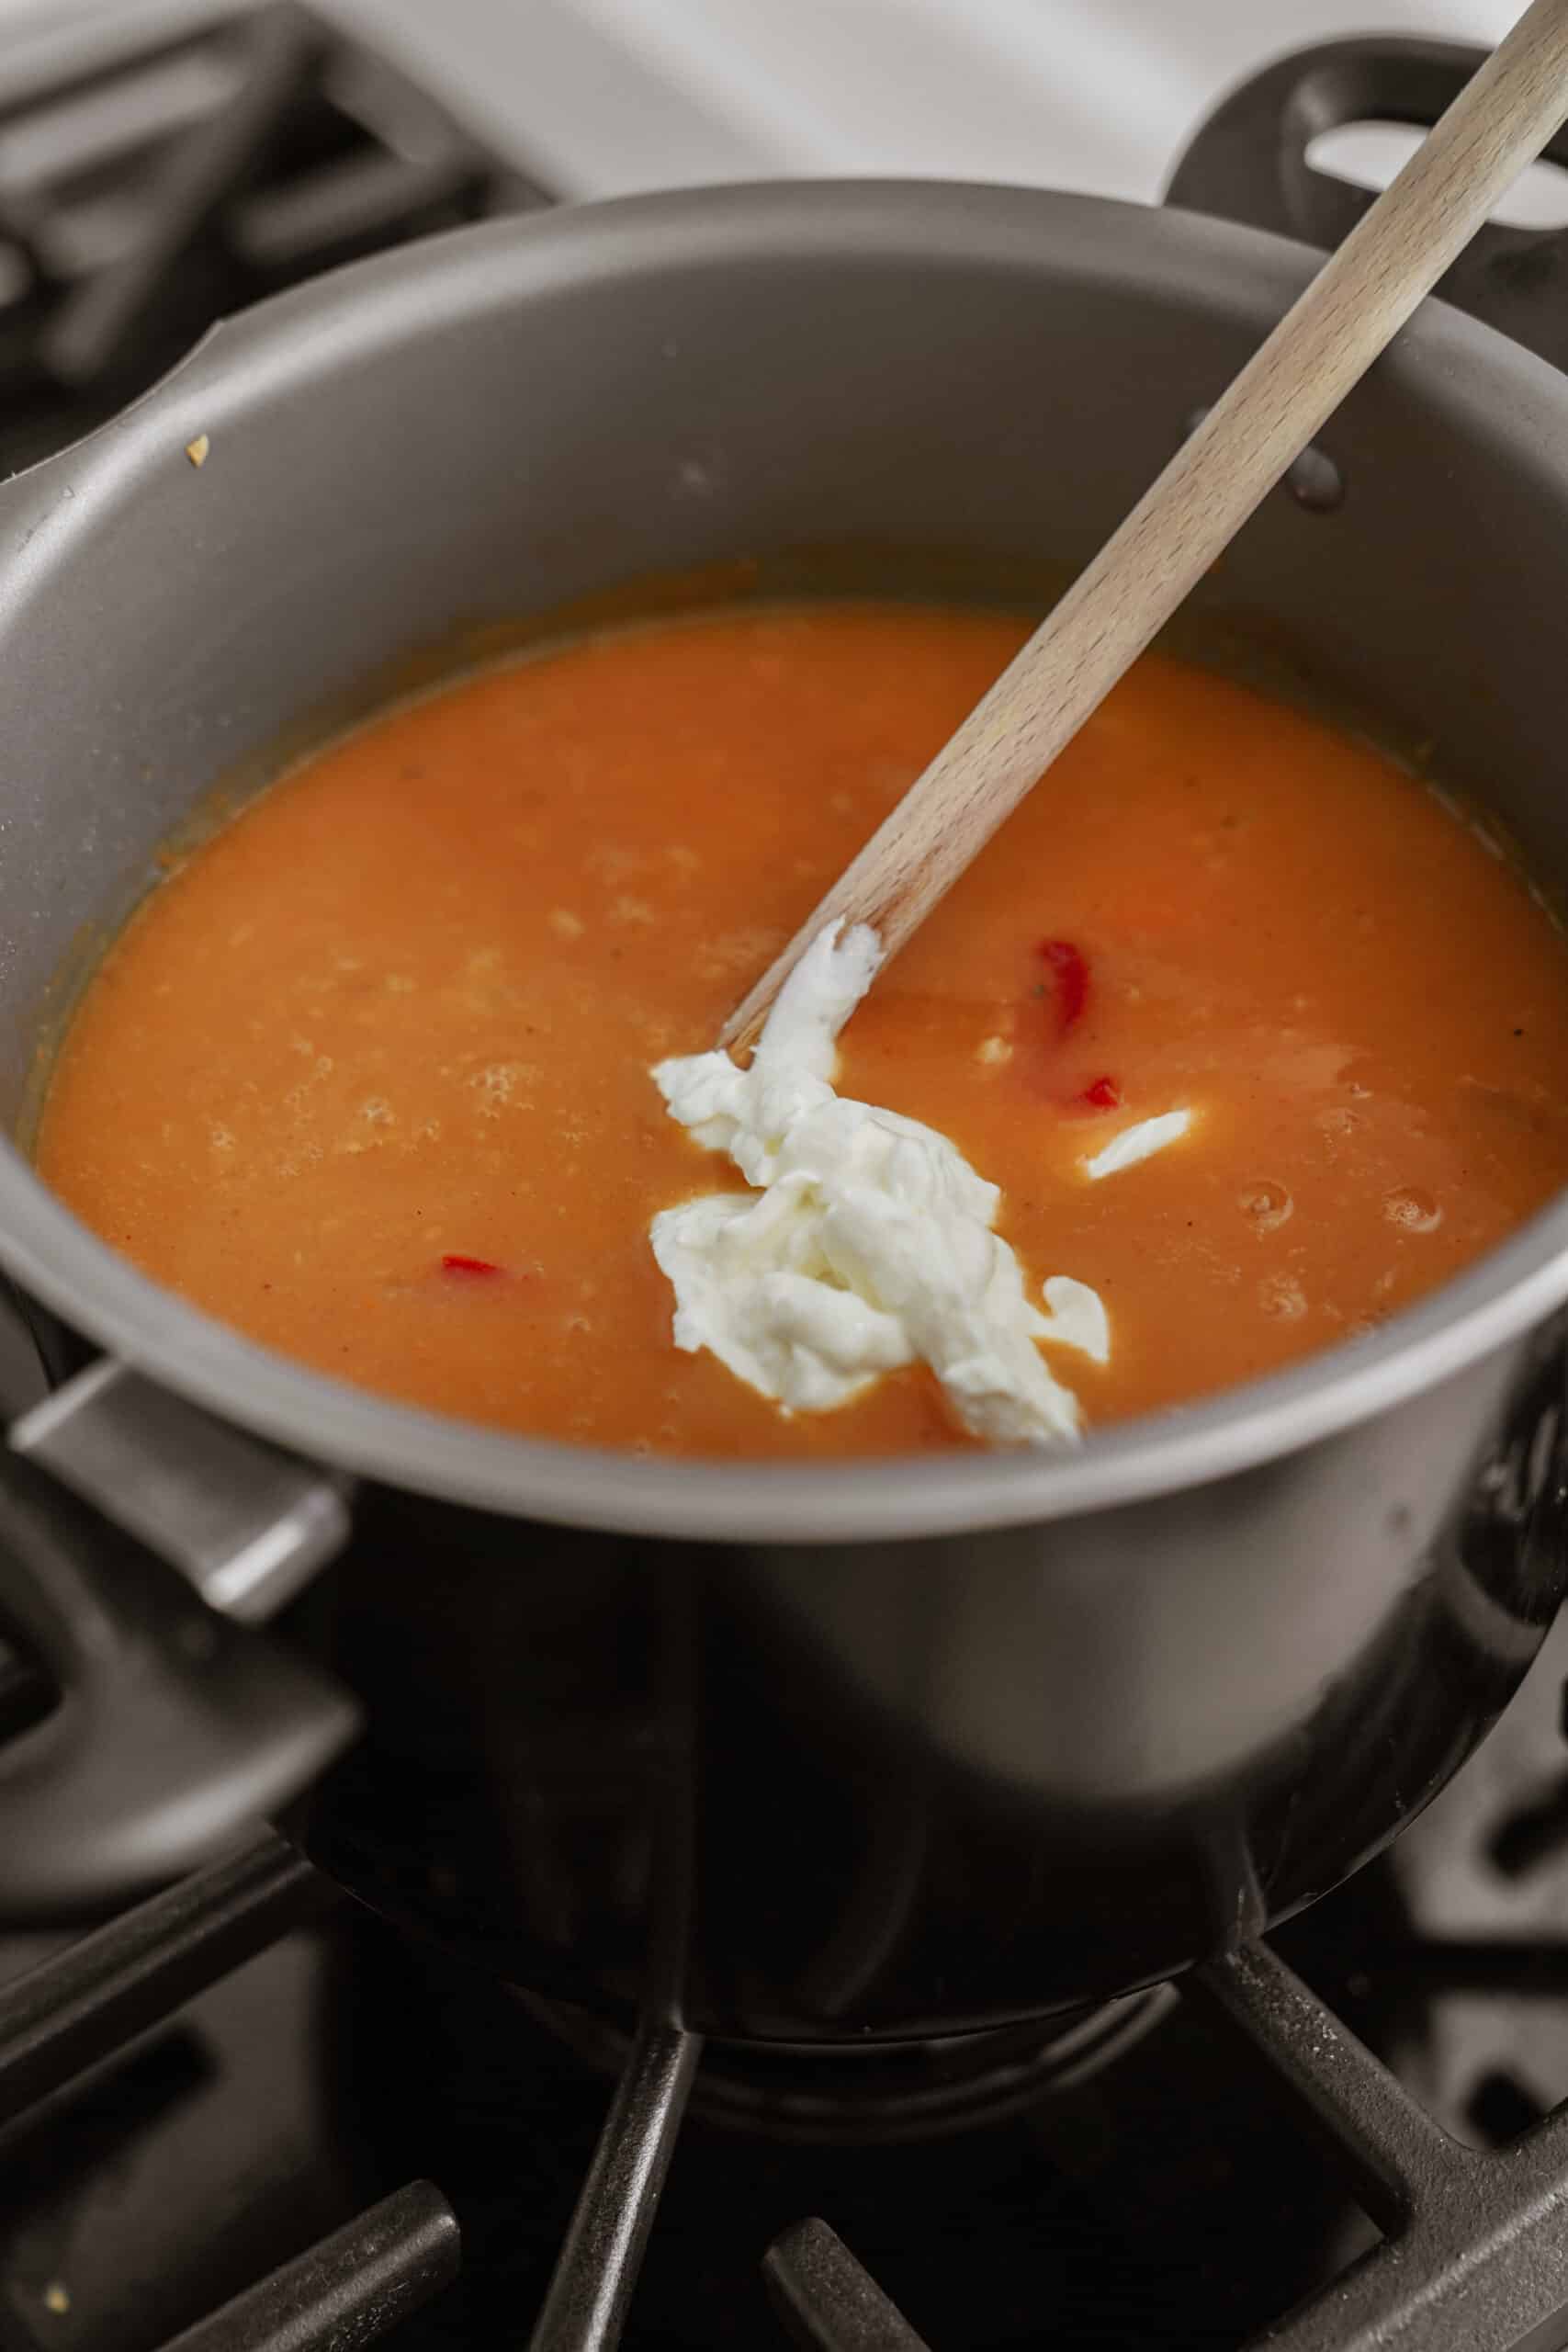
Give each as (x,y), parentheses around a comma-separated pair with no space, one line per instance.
(50,1254)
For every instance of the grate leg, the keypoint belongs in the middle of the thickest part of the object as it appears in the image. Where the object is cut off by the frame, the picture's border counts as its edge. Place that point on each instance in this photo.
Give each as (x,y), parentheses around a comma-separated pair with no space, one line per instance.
(586,2306)
(349,2289)
(827,2299)
(1476,2254)
(87,2002)
(1387,2139)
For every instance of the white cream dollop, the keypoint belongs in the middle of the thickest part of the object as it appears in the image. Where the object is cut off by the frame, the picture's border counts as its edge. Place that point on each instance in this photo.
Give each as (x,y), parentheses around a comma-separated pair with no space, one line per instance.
(866,1241)
(1141,1142)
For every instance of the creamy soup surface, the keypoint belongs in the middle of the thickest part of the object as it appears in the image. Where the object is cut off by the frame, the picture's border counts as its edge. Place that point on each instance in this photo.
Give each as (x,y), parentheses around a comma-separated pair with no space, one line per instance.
(368,1076)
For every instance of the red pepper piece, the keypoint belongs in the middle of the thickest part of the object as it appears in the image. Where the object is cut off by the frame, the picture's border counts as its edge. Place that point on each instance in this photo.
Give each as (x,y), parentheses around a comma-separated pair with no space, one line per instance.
(1103,1095)
(452,1263)
(1070,969)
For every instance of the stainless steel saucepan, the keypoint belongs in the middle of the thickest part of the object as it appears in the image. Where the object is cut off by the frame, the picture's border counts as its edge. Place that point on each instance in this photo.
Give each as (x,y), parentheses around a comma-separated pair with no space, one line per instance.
(880,1748)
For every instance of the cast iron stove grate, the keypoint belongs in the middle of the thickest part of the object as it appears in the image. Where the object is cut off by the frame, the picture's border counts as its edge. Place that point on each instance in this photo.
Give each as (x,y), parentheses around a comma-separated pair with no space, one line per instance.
(1474,2256)
(142,200)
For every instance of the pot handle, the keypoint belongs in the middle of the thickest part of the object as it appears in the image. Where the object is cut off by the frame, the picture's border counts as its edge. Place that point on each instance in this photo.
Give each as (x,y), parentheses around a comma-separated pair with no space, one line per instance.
(1247,162)
(246,1523)
(150,1721)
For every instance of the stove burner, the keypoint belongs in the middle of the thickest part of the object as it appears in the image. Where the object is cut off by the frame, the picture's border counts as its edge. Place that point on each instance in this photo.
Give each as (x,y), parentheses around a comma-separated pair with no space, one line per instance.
(876,2094)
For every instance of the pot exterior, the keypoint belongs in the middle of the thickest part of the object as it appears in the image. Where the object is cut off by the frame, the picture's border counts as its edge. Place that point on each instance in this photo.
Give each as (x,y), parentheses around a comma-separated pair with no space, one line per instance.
(923,1788)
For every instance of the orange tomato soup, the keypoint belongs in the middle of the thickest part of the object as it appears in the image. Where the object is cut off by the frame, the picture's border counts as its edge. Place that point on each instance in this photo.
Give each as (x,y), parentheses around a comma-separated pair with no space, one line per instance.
(368,1076)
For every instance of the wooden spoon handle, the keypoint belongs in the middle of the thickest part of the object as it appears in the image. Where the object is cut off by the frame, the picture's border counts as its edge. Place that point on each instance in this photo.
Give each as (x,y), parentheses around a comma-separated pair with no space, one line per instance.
(1356,304)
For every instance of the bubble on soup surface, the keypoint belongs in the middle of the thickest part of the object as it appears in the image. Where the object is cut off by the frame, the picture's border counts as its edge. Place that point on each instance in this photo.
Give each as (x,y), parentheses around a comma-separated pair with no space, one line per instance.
(1267,1206)
(1412,1209)
(496,1085)
(1281,1299)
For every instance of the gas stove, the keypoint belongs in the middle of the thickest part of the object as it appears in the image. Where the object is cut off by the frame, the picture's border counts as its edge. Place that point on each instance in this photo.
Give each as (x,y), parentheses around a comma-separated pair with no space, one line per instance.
(246,2116)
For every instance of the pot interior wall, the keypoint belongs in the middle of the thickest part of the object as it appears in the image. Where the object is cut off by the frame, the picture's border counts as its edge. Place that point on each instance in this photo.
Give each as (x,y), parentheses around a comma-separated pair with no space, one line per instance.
(503,427)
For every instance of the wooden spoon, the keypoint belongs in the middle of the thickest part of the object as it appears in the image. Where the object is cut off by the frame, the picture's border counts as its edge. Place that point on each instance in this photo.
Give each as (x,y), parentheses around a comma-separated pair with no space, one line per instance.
(1356,304)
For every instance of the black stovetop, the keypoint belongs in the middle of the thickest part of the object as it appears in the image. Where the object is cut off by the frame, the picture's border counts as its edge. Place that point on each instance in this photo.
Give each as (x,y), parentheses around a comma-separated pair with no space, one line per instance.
(1166,2197)
(340,2065)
